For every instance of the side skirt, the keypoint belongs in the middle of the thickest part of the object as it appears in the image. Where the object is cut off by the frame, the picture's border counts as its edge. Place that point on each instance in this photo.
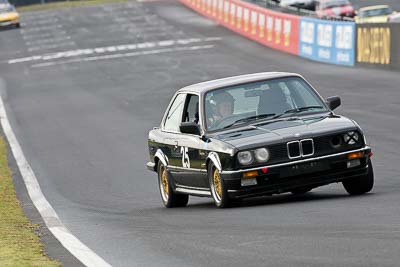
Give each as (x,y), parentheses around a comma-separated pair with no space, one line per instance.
(195,191)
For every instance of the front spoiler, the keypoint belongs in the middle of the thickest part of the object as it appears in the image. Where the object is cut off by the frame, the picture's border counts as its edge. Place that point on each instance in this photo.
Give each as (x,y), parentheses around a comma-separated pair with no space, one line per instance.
(8,23)
(297,182)
(279,181)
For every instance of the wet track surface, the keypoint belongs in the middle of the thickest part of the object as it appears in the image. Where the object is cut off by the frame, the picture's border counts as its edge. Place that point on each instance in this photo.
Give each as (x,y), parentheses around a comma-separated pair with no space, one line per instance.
(82,118)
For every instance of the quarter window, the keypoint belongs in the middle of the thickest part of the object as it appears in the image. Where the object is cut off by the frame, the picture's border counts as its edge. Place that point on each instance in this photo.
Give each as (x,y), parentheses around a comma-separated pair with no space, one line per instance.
(174,116)
(191,113)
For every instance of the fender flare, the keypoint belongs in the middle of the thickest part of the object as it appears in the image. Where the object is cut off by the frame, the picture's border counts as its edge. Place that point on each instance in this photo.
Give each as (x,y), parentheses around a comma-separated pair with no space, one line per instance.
(162,157)
(212,156)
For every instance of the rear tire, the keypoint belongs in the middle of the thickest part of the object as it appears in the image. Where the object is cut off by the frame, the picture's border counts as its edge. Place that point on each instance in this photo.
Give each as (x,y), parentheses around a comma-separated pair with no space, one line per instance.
(360,185)
(169,198)
(217,188)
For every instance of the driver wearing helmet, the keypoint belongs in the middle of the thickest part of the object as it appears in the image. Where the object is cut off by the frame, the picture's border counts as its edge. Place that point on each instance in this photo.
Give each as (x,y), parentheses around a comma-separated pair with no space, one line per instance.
(223,105)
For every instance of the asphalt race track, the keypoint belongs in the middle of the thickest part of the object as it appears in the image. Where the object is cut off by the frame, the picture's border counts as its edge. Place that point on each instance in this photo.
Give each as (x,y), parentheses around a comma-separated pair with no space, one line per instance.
(82,117)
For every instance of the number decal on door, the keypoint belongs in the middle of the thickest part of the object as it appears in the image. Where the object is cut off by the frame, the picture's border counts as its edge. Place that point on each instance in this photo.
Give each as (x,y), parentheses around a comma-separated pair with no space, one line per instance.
(185,157)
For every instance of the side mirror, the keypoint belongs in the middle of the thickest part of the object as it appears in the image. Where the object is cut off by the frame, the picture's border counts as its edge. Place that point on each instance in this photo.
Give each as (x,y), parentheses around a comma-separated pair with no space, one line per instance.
(333,102)
(189,128)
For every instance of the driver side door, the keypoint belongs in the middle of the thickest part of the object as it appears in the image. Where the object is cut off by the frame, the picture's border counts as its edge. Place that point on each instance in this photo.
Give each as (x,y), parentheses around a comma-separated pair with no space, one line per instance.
(192,171)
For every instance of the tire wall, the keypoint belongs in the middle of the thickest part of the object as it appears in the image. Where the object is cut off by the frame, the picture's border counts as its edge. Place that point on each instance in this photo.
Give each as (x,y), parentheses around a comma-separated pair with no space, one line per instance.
(334,42)
(273,29)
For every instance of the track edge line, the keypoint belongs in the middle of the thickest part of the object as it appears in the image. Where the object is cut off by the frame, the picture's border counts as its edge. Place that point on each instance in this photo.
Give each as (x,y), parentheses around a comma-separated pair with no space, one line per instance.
(70,242)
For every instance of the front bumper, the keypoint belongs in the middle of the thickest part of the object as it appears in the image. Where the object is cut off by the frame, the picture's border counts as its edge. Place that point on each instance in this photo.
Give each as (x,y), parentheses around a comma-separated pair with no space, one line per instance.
(8,19)
(311,172)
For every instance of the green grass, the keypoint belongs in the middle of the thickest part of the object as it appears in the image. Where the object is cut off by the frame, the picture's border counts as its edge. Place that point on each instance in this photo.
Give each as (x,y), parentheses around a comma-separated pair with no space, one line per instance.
(72,3)
(19,245)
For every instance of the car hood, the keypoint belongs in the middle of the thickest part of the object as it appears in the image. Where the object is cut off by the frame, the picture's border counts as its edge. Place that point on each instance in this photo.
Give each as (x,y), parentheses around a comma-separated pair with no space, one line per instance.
(284,130)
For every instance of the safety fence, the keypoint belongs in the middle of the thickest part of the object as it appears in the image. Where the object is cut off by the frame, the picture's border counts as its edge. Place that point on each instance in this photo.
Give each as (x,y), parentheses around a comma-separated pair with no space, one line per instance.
(334,42)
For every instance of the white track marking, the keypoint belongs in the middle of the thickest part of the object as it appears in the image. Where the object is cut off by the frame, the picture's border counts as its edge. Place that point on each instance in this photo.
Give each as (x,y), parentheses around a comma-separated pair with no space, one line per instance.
(124,55)
(43,35)
(108,49)
(51,46)
(33,16)
(43,28)
(135,18)
(133,28)
(46,35)
(50,217)
(49,40)
(39,22)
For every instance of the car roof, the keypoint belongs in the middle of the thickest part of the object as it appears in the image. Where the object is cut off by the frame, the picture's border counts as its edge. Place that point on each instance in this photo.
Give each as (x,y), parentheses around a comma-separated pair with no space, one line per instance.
(203,87)
(373,7)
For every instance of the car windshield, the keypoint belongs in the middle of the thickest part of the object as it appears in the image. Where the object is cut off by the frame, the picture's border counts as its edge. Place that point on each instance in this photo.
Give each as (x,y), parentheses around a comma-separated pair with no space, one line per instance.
(376,12)
(334,3)
(252,102)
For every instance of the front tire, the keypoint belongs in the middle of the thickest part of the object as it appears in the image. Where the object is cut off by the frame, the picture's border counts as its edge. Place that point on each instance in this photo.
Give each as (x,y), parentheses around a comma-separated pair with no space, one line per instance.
(217,188)
(169,198)
(360,185)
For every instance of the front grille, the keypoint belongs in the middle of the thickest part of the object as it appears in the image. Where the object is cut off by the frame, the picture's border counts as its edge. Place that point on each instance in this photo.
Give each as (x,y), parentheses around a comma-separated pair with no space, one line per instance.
(294,149)
(322,145)
(302,148)
(307,147)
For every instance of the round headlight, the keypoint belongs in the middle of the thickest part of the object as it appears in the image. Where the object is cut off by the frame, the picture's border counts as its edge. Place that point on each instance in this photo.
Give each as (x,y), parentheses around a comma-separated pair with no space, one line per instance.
(351,138)
(261,154)
(245,157)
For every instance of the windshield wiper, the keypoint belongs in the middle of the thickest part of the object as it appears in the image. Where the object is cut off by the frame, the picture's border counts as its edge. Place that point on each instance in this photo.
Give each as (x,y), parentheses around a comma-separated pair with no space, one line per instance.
(247,119)
(297,110)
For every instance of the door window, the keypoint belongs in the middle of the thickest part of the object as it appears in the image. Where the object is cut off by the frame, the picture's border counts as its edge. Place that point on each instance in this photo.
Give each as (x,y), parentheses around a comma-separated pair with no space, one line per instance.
(191,113)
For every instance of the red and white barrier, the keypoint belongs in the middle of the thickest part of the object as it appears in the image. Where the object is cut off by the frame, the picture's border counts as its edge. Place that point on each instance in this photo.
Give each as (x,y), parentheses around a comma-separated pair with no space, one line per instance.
(277,30)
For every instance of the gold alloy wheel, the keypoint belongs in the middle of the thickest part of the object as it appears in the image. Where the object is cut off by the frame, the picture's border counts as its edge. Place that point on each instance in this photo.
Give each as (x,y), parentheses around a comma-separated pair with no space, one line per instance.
(164,182)
(217,184)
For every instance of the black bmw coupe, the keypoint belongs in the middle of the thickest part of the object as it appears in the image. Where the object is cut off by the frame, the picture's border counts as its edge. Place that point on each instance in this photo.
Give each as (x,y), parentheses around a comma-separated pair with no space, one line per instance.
(253,135)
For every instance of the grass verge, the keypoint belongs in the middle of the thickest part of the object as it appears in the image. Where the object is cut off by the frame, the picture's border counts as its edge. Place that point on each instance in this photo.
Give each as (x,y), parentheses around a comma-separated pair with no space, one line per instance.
(19,245)
(72,3)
